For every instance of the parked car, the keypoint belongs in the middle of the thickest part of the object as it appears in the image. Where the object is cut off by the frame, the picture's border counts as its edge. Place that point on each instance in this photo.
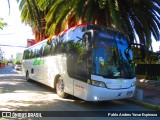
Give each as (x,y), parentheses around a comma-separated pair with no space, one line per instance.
(13,66)
(17,67)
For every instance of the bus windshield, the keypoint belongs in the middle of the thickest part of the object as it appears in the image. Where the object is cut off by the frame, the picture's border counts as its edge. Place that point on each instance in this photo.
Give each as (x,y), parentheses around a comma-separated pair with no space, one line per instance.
(112,58)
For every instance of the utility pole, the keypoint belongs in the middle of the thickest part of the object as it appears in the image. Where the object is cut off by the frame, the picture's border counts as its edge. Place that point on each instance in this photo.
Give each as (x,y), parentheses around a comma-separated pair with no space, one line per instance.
(1,54)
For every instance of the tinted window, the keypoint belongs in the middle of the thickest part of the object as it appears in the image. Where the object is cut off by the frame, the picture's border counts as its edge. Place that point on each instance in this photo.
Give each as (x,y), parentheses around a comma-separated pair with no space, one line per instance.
(78,60)
(47,49)
(26,54)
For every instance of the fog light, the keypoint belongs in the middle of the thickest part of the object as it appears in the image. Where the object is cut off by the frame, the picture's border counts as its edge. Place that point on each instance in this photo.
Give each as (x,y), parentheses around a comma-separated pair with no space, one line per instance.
(95,98)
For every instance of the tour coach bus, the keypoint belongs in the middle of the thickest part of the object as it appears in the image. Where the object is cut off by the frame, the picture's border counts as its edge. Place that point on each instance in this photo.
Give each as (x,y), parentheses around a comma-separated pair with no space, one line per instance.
(88,61)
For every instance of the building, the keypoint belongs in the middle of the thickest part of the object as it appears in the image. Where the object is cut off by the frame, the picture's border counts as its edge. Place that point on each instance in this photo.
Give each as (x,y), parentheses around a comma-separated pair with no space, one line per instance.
(30,42)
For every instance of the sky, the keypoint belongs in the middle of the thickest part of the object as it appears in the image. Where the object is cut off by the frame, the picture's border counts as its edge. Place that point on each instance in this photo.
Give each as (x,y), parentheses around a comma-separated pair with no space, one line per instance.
(16,33)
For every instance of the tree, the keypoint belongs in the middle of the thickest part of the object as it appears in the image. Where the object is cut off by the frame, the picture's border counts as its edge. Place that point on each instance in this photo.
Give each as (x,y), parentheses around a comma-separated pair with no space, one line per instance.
(30,14)
(133,17)
(33,16)
(17,61)
(2,23)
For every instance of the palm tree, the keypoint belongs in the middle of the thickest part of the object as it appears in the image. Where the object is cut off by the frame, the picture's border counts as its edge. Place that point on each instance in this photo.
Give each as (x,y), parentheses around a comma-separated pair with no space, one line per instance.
(134,17)
(32,15)
(131,17)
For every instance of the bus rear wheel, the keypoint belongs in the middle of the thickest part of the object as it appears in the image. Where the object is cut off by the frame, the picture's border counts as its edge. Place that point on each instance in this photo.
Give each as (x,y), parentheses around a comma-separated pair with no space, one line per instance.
(60,88)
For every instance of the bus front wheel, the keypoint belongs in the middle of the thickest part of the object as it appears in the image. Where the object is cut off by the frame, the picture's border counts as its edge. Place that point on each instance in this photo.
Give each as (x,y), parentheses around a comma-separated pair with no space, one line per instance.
(60,88)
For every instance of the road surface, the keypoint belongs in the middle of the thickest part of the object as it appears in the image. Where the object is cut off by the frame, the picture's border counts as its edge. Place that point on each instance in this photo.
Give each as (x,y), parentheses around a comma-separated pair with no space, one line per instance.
(16,94)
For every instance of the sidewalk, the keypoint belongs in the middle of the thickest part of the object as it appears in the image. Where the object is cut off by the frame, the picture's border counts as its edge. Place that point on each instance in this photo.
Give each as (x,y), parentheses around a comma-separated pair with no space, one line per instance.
(150,95)
(147,97)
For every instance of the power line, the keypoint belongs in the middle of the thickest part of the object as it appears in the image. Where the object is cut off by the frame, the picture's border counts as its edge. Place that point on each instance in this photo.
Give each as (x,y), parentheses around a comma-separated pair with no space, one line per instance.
(25,32)
(13,45)
(7,34)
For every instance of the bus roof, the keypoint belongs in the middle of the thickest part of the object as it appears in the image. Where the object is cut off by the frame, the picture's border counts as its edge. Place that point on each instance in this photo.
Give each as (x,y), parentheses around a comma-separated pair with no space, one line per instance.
(88,26)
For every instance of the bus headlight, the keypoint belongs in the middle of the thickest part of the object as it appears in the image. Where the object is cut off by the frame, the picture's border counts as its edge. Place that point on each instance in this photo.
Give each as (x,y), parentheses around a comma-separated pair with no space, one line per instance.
(133,84)
(96,83)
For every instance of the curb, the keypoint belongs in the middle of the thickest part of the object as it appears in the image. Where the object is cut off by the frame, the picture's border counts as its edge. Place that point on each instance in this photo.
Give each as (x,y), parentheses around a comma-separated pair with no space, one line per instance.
(147,105)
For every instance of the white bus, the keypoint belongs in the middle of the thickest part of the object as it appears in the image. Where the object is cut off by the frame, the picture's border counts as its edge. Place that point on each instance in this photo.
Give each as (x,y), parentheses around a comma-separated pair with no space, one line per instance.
(90,62)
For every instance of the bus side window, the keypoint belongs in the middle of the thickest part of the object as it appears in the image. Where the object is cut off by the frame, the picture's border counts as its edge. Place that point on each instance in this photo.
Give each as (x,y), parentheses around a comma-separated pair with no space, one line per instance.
(57,47)
(32,53)
(61,45)
(47,49)
(52,48)
(41,51)
(35,53)
(26,54)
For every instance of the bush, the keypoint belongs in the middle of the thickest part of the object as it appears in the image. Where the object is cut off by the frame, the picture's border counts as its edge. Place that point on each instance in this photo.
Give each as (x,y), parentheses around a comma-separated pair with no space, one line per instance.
(17,61)
(4,61)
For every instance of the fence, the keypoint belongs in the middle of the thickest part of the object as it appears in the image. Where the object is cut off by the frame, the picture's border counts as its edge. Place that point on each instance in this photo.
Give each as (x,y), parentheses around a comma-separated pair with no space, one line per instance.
(151,84)
(148,71)
(148,75)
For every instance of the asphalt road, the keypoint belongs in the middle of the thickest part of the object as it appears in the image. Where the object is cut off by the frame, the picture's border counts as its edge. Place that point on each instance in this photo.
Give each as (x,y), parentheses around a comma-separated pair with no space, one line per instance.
(16,94)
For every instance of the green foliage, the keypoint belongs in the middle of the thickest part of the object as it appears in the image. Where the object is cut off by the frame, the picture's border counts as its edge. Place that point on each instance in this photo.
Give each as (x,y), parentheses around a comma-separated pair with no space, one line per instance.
(77,49)
(46,50)
(17,61)
(2,23)
(102,3)
(4,61)
(133,17)
(151,58)
(31,13)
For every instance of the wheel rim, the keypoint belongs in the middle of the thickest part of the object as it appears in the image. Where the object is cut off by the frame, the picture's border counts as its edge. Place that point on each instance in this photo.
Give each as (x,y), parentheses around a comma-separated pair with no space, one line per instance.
(60,86)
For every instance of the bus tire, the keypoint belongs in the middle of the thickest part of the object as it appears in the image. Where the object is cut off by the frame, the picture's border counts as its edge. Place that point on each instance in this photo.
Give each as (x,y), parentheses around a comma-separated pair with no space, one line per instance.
(60,88)
(27,76)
